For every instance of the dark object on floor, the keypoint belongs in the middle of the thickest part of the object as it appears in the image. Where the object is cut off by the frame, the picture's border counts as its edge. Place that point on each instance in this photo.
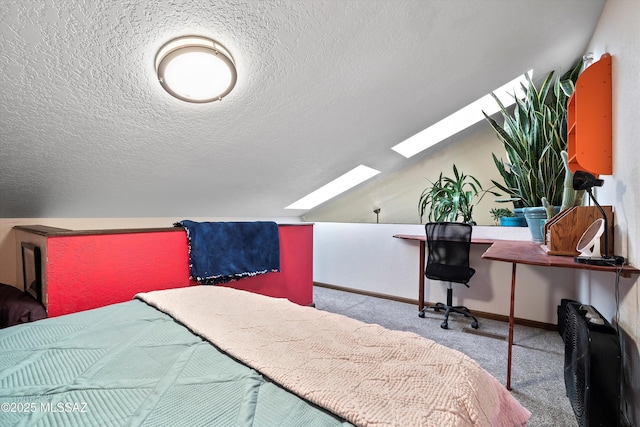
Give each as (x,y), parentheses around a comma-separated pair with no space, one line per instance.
(18,307)
(448,246)
(562,315)
(592,366)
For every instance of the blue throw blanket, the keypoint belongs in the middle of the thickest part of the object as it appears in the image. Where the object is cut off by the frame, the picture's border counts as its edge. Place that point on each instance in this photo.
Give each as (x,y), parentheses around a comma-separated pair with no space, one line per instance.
(221,252)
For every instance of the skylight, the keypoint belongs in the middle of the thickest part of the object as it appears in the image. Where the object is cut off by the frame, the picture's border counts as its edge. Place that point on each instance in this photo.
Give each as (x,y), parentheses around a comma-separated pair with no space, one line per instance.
(339,185)
(462,118)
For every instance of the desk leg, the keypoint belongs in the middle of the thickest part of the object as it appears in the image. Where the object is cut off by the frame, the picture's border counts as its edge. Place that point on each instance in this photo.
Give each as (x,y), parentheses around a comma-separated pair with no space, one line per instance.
(421,277)
(511,321)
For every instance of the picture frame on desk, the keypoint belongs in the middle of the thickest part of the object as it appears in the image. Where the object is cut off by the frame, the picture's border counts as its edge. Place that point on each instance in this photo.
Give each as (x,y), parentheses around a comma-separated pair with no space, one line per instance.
(31,270)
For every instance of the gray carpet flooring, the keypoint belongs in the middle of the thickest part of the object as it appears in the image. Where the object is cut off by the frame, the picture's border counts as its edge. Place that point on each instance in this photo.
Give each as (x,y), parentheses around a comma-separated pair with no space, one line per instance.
(537,376)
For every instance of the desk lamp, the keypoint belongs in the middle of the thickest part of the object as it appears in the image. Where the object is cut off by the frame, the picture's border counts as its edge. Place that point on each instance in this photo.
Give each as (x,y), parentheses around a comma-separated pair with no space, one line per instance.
(585,181)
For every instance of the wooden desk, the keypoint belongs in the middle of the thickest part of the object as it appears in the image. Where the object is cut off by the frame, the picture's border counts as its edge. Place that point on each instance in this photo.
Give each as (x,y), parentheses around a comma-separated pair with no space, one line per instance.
(422,240)
(515,252)
(527,252)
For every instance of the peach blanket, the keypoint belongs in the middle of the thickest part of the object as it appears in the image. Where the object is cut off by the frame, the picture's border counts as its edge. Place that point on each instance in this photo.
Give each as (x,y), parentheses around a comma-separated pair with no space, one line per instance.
(369,375)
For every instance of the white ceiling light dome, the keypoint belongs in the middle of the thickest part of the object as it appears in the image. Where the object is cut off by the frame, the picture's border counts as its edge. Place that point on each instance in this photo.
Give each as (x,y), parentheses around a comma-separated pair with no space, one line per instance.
(196,69)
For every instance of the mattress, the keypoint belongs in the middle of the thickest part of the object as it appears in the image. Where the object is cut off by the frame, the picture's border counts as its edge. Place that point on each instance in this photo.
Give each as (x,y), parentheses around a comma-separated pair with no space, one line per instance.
(130,364)
(366,374)
(216,356)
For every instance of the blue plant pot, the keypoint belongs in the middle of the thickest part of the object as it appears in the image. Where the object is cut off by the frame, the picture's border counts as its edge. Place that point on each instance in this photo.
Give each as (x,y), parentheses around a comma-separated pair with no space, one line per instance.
(536,219)
(513,221)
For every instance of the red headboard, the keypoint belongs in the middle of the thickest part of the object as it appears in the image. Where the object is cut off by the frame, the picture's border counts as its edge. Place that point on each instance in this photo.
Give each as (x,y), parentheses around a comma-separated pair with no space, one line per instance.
(86,271)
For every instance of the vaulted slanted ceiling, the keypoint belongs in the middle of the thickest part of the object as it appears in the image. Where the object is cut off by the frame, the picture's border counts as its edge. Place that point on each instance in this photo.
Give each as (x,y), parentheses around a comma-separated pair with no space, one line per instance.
(86,130)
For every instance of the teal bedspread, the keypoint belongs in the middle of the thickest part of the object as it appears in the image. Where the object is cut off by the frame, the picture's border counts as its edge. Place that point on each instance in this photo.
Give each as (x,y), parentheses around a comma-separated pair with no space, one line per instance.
(129,364)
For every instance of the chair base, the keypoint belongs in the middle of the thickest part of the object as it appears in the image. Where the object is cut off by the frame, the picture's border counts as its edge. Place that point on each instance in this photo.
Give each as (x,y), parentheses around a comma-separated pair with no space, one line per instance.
(450,308)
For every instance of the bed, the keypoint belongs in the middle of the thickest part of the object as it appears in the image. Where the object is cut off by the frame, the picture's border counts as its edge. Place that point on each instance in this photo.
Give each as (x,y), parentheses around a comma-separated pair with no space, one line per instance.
(217,356)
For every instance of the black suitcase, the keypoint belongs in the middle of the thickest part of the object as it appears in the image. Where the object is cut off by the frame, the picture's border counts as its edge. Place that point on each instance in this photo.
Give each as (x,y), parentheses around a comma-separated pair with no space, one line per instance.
(592,366)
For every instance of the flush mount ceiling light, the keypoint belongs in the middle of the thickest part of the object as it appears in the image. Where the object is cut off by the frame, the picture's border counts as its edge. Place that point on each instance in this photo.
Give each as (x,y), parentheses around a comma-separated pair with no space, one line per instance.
(196,69)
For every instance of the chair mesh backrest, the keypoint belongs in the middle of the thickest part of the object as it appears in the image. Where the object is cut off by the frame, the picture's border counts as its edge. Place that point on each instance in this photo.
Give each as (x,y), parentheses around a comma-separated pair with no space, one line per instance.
(448,244)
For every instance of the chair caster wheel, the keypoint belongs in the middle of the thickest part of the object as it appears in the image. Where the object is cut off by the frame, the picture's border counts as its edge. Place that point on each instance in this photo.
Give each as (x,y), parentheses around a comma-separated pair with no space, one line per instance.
(474,325)
(421,314)
(444,325)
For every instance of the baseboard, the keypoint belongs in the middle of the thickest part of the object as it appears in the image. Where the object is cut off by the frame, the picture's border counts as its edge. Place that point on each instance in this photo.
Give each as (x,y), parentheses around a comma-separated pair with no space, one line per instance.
(482,314)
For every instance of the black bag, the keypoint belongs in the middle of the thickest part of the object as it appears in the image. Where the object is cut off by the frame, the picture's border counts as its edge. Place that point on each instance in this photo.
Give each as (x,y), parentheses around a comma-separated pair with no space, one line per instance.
(18,307)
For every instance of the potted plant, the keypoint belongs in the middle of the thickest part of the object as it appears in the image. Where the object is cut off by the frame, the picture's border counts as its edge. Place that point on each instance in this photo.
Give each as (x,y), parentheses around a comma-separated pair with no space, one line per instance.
(506,218)
(534,136)
(451,198)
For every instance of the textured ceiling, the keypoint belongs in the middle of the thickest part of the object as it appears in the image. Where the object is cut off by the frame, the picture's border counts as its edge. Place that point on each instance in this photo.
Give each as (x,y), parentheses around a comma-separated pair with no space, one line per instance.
(323,86)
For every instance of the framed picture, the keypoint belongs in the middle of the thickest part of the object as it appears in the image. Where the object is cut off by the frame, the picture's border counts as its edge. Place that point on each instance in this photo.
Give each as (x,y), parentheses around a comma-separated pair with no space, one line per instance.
(31,270)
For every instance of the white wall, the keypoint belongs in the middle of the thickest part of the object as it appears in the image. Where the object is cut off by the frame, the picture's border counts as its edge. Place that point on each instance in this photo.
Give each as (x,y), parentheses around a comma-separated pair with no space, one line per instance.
(617,33)
(367,257)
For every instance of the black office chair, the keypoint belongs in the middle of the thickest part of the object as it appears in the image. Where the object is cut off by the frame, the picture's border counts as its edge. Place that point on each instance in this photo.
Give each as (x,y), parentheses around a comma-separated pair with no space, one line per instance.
(448,246)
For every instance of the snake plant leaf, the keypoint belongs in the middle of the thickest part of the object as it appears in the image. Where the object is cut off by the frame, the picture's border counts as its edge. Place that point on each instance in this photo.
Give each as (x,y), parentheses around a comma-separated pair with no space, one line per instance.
(533,136)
